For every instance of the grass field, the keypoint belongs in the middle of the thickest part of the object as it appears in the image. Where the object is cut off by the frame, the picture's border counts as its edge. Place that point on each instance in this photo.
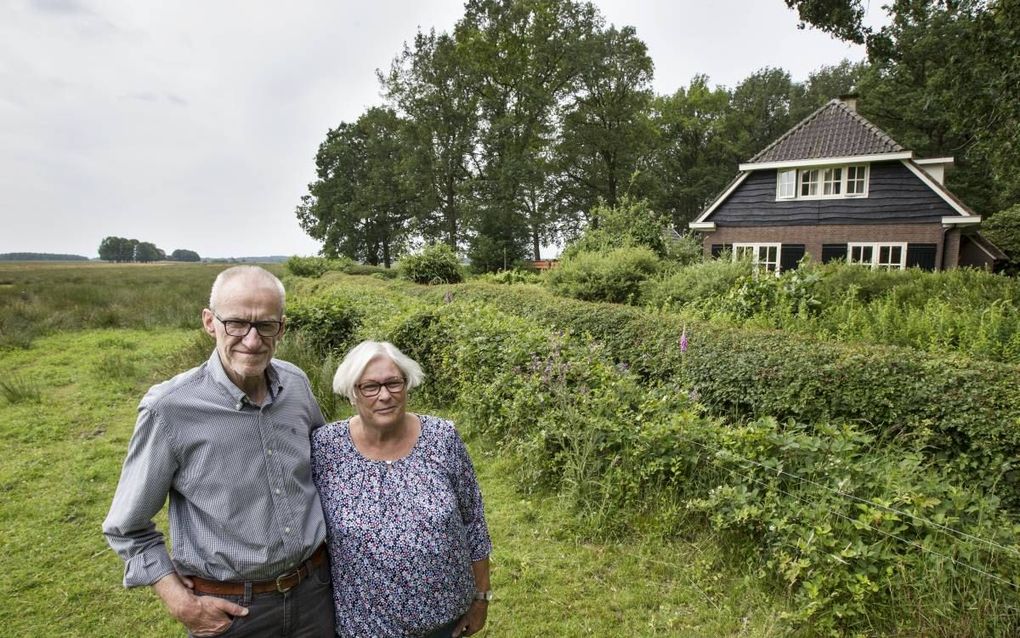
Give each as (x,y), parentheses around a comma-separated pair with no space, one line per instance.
(68,393)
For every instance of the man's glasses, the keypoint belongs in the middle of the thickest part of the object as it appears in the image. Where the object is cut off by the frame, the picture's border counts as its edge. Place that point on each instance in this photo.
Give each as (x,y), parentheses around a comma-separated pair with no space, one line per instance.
(238,328)
(370,389)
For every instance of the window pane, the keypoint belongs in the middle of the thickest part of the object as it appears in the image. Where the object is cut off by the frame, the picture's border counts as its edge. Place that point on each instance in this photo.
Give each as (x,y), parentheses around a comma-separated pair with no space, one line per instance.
(883,255)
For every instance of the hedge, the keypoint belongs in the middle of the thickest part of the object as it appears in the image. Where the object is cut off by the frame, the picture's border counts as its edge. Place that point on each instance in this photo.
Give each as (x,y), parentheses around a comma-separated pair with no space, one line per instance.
(958,411)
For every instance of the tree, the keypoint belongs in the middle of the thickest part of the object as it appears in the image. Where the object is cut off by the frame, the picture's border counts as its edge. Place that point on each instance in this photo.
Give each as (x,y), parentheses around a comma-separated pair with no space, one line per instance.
(430,86)
(524,57)
(361,204)
(117,249)
(607,134)
(146,252)
(842,18)
(182,254)
(697,149)
(1003,228)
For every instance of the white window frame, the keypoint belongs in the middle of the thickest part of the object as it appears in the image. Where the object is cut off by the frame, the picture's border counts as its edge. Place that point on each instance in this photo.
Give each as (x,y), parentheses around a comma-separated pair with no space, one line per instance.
(847,180)
(791,183)
(756,259)
(823,179)
(832,184)
(876,249)
(812,185)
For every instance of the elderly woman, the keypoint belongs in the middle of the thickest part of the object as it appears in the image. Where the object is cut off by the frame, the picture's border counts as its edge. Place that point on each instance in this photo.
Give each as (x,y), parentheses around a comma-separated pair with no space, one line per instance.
(408,542)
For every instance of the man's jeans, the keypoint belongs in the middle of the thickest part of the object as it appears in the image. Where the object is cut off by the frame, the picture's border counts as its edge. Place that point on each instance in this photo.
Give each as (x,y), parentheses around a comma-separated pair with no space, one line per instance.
(305,611)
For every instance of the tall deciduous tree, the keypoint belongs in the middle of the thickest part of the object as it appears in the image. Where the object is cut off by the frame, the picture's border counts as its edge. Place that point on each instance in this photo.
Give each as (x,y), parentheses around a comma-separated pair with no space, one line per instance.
(430,85)
(524,57)
(362,202)
(607,133)
(697,150)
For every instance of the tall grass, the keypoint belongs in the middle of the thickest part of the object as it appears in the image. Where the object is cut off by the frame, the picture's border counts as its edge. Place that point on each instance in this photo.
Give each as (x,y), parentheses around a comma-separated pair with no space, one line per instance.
(43,299)
(966,311)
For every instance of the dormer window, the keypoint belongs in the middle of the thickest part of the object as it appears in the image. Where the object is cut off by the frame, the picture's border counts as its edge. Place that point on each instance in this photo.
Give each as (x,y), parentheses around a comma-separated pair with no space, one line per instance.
(822,183)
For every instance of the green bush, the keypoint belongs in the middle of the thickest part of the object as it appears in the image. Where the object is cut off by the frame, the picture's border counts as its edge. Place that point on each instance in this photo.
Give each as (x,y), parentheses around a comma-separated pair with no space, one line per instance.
(699,284)
(852,521)
(963,413)
(328,323)
(852,528)
(631,223)
(316,266)
(436,264)
(510,277)
(375,271)
(614,276)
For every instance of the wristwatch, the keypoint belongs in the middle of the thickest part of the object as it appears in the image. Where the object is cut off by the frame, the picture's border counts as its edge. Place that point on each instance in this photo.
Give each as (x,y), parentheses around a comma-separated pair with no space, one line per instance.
(484,595)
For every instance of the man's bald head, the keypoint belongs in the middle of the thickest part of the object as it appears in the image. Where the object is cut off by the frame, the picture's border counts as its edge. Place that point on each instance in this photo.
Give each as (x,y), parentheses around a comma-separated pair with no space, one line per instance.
(251,276)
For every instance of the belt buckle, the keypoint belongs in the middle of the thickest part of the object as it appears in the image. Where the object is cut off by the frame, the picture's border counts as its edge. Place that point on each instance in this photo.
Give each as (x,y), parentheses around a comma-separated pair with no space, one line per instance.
(280,588)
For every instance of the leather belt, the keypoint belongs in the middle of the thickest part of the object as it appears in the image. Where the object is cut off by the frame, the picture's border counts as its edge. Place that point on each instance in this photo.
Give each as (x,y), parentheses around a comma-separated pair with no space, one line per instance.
(282,583)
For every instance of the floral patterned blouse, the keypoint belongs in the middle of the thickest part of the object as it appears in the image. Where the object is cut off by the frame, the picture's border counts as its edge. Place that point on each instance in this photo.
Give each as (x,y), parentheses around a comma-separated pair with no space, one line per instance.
(402,534)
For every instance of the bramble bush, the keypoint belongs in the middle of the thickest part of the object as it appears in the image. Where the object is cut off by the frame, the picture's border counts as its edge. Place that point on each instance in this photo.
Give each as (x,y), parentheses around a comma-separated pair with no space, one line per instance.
(614,276)
(855,529)
(435,264)
(316,266)
(832,514)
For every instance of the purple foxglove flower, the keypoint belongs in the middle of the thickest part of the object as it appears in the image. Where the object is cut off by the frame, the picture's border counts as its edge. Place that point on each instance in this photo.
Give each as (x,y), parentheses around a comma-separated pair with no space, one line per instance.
(683,341)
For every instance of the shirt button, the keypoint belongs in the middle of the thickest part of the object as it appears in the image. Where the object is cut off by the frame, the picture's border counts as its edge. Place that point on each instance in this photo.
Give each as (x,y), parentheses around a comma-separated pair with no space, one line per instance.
(287,530)
(269,452)
(277,490)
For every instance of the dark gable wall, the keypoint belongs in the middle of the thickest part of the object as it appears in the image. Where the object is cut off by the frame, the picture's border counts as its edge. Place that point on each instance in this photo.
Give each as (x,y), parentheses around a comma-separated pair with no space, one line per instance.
(895,196)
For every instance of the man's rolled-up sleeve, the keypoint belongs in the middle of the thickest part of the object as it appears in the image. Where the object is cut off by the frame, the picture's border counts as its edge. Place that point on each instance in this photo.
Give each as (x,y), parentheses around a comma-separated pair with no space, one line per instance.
(145,481)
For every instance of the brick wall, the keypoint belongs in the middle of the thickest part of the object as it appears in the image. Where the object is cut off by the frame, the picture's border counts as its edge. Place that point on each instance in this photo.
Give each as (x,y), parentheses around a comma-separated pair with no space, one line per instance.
(814,236)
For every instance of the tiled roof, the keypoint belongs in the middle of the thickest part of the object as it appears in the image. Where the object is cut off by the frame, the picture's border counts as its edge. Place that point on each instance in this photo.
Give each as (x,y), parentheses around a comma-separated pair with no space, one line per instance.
(832,131)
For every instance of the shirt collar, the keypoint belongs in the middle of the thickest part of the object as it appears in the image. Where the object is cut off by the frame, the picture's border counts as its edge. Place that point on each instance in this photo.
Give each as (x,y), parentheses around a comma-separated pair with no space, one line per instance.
(219,375)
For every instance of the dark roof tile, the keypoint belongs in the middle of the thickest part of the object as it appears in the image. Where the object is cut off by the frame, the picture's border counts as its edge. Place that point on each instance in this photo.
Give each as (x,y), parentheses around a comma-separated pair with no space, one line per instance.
(832,131)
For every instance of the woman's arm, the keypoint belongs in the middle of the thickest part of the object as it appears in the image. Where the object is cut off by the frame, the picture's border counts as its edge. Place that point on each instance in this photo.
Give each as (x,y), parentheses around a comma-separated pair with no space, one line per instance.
(473,621)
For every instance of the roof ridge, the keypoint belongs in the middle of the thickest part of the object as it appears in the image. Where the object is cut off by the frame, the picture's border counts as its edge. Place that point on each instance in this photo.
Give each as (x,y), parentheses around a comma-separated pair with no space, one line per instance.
(796,127)
(872,127)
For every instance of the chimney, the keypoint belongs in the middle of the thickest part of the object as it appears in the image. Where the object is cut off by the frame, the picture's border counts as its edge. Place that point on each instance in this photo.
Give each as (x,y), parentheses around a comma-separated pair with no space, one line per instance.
(850,100)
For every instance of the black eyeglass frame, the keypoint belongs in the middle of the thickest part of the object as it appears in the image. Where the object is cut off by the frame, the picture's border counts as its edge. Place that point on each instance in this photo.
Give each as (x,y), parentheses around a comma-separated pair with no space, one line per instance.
(258,325)
(401,384)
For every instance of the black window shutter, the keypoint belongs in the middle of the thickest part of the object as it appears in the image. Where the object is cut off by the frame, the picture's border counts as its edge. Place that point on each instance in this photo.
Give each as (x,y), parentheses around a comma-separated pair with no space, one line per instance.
(921,256)
(832,252)
(717,249)
(790,255)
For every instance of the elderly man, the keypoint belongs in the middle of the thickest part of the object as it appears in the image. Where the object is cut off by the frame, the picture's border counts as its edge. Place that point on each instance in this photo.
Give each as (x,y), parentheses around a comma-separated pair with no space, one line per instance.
(228,441)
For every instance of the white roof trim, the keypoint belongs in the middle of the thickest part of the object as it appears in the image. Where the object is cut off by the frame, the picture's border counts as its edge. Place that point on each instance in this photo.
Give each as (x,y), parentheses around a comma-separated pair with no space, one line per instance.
(969,220)
(828,161)
(986,251)
(946,161)
(718,200)
(940,191)
(701,225)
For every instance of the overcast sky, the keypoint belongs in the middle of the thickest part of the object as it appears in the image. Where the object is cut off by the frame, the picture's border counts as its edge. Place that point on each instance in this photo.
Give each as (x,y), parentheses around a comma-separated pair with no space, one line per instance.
(195,124)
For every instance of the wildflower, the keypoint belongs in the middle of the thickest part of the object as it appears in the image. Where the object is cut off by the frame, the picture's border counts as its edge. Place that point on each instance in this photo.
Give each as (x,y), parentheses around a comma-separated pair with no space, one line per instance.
(683,341)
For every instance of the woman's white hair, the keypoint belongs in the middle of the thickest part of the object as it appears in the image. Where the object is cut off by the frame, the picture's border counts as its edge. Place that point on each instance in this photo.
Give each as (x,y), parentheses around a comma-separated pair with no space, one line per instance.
(354,364)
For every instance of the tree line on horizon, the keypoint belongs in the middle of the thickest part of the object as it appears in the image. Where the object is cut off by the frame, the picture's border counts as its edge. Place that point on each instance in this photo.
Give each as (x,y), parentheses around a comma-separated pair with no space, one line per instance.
(514,129)
(124,250)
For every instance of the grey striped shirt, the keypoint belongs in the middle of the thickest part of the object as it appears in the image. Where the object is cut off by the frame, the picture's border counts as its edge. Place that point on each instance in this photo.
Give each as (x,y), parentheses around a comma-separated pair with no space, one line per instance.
(242,503)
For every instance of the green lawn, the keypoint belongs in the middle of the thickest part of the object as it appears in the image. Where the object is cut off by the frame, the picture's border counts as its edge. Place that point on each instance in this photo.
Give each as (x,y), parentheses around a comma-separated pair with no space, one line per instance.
(64,437)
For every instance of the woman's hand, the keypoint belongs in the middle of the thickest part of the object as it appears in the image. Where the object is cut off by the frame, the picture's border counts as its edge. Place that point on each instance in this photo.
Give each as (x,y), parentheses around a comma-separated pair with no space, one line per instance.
(473,621)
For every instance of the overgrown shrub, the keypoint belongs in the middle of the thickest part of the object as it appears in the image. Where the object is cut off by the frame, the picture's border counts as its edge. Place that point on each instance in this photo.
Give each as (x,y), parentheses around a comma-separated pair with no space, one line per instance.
(855,530)
(599,403)
(614,276)
(316,266)
(435,264)
(698,284)
(631,223)
(328,323)
(511,277)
